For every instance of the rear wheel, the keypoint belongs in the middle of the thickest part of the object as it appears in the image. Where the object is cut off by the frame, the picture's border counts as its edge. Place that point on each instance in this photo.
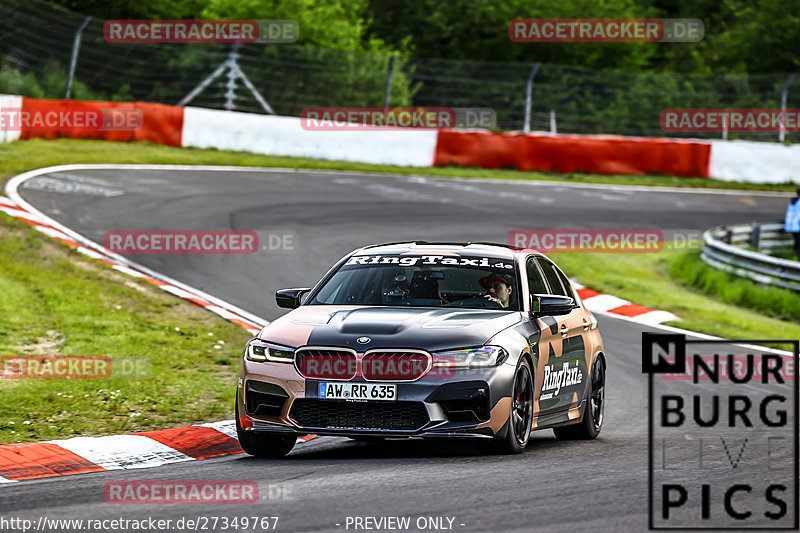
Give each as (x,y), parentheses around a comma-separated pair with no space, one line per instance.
(520,419)
(263,444)
(592,422)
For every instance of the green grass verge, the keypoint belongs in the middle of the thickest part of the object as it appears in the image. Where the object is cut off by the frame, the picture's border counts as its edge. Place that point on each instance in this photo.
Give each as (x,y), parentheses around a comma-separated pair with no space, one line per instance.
(647,279)
(784,253)
(58,302)
(690,270)
(27,155)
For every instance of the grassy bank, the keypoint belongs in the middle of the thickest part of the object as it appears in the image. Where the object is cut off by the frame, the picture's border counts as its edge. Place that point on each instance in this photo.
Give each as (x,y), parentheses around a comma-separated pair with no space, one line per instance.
(689,270)
(58,302)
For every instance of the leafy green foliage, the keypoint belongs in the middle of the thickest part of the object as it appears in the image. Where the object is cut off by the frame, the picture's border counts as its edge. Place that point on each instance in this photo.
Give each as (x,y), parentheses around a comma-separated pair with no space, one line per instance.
(135,9)
(51,82)
(756,36)
(478,30)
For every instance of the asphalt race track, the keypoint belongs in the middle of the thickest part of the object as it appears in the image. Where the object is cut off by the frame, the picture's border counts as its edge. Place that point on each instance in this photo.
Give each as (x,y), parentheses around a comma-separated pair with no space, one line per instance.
(332,213)
(552,486)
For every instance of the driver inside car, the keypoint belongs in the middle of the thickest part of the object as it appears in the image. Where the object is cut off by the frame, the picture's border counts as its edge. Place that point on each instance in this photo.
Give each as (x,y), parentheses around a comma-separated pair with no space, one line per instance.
(498,287)
(394,287)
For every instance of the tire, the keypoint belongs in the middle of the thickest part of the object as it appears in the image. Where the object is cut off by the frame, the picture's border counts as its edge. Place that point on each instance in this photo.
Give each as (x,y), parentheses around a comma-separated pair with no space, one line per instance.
(593,414)
(520,418)
(263,444)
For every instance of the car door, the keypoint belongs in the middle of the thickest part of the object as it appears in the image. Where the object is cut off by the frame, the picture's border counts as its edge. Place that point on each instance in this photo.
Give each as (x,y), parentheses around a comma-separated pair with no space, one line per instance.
(545,340)
(564,373)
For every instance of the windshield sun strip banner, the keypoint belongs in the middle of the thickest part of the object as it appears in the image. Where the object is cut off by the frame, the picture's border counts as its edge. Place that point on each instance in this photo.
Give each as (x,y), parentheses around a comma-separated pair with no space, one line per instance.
(430,260)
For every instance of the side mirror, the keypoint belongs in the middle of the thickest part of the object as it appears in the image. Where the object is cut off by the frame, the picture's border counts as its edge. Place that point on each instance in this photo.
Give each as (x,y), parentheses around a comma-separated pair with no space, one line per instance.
(290,298)
(551,305)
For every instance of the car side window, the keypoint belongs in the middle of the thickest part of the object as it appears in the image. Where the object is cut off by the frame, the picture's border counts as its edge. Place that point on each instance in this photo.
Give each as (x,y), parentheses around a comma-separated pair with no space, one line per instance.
(535,281)
(552,278)
(565,282)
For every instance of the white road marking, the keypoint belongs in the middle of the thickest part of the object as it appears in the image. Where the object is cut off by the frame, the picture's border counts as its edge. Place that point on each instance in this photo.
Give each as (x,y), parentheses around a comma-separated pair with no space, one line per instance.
(52,232)
(180,293)
(18,213)
(120,452)
(603,302)
(655,317)
(228,427)
(128,271)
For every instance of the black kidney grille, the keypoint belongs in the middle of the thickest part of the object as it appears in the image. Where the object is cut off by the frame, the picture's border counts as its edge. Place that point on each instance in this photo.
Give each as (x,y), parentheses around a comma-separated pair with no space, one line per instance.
(310,412)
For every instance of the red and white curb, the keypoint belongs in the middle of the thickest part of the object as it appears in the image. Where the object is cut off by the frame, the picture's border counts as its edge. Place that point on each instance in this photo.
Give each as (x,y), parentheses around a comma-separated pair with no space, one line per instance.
(80,455)
(140,450)
(598,302)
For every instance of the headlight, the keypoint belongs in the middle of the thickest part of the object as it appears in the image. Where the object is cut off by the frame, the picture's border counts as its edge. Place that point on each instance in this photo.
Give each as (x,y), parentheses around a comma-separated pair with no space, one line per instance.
(482,357)
(260,351)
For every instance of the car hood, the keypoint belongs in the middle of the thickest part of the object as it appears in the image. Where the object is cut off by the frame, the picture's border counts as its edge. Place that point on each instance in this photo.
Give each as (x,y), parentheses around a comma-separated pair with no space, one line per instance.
(388,327)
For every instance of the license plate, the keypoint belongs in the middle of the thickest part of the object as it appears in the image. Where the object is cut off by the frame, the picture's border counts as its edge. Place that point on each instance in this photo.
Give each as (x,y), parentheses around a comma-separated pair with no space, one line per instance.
(358,391)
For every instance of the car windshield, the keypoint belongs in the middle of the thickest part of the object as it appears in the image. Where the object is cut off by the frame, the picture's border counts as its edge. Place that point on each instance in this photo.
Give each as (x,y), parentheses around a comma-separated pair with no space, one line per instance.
(449,280)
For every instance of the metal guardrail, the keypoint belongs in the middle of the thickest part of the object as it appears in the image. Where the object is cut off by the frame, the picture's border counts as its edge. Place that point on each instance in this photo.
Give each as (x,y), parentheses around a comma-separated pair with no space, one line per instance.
(723,249)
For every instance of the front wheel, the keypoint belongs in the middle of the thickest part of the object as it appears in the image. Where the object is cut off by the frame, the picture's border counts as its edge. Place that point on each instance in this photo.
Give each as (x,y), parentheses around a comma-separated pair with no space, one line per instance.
(592,422)
(263,444)
(520,419)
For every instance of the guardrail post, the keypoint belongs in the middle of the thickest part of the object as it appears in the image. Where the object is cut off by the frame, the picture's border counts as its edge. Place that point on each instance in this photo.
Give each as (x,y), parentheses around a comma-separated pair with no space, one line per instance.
(755,237)
(728,237)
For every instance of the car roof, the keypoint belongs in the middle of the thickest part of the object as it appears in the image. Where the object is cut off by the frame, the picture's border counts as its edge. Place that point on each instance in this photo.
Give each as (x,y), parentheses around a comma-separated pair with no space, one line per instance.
(461,248)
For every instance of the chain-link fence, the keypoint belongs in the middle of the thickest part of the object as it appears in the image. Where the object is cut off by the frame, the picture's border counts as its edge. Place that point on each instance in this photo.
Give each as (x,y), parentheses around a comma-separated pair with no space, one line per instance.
(37,42)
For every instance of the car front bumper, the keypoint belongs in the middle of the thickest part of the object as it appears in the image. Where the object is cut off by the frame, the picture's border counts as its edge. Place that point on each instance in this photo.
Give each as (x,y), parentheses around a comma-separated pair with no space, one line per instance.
(465,403)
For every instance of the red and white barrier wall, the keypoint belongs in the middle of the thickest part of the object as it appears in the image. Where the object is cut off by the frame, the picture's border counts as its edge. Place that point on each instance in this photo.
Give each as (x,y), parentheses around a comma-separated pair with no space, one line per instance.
(8,101)
(273,135)
(597,154)
(756,162)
